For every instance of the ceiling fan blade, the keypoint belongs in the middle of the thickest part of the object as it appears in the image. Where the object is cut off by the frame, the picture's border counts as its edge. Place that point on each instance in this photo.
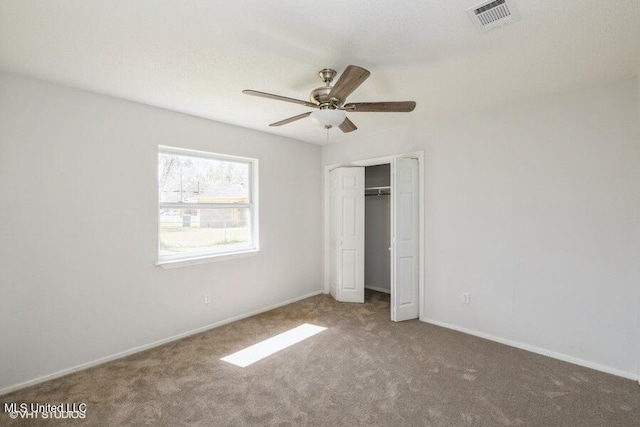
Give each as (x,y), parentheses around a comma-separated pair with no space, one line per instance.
(278,98)
(380,107)
(347,126)
(291,119)
(349,81)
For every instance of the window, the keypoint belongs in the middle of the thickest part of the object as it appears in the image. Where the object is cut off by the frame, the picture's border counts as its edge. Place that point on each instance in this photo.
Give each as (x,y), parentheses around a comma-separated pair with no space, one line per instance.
(207,205)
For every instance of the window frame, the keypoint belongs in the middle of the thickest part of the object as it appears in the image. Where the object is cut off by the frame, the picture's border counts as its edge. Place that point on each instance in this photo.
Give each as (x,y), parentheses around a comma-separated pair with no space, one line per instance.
(191,258)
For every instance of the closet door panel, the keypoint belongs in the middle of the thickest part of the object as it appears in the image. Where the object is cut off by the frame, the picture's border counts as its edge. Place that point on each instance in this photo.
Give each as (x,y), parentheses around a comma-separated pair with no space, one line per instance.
(347,217)
(406,246)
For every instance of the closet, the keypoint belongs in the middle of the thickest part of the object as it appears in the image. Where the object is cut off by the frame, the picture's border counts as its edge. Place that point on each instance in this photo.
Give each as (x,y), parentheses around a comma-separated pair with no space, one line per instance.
(377,228)
(373,233)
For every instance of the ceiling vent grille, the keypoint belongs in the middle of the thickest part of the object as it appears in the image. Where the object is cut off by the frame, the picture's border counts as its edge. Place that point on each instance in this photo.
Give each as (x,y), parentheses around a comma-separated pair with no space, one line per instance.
(492,14)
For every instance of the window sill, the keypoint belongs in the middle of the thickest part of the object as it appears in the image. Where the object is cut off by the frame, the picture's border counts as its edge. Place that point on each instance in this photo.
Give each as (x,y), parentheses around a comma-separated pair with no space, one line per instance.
(206,259)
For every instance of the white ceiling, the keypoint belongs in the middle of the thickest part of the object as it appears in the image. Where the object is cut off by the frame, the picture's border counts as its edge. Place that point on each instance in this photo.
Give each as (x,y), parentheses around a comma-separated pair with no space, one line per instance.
(196,56)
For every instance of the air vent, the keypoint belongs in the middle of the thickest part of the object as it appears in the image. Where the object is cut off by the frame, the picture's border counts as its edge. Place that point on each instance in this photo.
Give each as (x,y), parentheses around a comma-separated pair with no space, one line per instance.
(489,15)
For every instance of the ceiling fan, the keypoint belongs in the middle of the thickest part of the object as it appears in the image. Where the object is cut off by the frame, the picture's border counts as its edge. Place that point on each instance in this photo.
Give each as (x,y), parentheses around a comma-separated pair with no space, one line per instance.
(329,101)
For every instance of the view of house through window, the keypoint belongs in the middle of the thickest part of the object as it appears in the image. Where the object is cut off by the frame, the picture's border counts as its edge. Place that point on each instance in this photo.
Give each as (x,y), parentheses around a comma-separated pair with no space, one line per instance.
(206,204)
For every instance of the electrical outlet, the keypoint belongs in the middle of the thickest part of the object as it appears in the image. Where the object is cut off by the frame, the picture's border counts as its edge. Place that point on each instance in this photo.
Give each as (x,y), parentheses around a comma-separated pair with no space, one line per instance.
(466,298)
(207,298)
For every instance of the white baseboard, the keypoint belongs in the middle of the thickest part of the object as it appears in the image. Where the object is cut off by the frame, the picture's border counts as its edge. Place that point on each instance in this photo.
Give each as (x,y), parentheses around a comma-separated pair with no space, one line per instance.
(375,288)
(538,350)
(131,351)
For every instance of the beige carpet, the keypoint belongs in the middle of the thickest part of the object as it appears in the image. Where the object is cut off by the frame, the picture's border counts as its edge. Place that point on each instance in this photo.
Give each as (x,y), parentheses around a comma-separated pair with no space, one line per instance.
(362,371)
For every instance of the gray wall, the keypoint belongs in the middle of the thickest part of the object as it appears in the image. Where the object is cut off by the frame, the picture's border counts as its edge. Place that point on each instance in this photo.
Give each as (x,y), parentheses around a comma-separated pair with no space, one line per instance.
(78,229)
(533,209)
(377,264)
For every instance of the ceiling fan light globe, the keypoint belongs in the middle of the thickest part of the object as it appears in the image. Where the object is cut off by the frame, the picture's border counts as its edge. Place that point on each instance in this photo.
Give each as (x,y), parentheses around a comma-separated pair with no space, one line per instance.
(328,117)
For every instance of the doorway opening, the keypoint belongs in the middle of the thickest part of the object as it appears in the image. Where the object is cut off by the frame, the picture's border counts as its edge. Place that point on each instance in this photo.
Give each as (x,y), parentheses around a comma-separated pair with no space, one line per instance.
(377,233)
(374,232)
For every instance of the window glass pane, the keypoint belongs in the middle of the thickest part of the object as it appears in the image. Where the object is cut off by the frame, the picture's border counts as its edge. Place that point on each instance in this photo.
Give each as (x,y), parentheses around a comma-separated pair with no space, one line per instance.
(201,231)
(186,179)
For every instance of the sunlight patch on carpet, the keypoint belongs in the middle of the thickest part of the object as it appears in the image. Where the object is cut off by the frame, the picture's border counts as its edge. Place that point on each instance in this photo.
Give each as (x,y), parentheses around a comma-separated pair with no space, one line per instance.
(259,351)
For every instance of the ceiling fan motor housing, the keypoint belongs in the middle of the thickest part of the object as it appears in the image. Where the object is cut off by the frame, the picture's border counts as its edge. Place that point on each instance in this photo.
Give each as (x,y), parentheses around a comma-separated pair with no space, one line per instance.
(320,95)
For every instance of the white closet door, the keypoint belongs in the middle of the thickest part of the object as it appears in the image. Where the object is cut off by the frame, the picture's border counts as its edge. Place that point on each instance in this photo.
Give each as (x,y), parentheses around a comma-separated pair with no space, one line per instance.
(405,265)
(347,234)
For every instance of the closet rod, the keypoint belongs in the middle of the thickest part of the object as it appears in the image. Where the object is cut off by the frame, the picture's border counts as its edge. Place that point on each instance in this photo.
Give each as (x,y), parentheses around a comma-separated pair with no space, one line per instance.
(377,191)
